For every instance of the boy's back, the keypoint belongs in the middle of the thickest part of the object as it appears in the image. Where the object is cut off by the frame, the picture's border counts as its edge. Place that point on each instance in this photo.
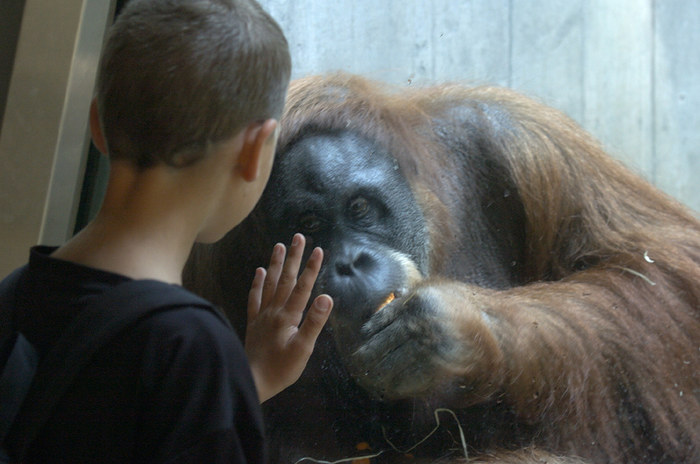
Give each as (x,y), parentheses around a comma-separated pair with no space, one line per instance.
(153,394)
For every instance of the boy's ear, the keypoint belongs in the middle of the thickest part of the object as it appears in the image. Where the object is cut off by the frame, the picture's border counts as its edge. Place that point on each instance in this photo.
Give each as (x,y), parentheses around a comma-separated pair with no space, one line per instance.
(254,139)
(98,137)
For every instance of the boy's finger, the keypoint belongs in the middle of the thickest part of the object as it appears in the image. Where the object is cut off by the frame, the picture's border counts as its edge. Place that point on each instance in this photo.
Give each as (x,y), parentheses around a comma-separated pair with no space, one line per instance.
(315,319)
(273,273)
(288,277)
(255,294)
(302,290)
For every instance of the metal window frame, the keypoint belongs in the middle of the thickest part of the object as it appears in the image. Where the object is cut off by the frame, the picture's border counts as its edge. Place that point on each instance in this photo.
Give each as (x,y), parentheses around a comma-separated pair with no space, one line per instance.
(44,138)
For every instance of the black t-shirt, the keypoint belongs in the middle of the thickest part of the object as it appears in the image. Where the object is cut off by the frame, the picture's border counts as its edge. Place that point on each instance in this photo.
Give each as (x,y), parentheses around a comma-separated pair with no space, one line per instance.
(176,388)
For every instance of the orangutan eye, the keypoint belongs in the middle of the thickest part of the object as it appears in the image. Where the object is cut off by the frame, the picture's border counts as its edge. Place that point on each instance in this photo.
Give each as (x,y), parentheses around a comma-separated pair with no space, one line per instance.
(310,223)
(358,207)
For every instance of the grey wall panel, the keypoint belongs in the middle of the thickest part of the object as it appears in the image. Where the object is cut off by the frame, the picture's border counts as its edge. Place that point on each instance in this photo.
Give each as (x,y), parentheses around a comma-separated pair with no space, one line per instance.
(676,109)
(618,78)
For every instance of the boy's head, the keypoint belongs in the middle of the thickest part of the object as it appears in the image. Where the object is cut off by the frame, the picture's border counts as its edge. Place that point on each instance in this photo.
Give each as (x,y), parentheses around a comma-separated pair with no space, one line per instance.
(177,76)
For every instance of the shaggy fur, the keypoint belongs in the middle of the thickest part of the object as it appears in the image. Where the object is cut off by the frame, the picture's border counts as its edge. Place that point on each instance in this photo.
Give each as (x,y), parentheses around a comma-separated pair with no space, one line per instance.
(594,339)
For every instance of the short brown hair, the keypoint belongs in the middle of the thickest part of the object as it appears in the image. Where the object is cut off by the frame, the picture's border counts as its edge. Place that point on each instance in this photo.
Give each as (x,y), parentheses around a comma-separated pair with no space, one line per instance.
(179,75)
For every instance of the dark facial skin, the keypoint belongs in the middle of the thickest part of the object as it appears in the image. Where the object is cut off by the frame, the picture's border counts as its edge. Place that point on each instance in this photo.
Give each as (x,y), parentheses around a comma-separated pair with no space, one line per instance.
(350,198)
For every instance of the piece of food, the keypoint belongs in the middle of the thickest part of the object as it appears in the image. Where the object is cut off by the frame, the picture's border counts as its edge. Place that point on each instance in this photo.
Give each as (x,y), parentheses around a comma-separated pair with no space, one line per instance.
(388,300)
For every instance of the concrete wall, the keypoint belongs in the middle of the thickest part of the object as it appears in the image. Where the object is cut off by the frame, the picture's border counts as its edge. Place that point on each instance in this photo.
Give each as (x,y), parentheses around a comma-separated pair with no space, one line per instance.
(627,70)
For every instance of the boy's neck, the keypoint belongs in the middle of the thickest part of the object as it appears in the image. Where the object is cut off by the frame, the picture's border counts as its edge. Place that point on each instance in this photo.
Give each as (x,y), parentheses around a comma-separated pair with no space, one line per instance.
(145,228)
(134,253)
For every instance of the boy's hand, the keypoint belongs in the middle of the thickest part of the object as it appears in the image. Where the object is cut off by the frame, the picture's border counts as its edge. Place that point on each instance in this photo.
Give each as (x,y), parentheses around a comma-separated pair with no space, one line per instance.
(278,348)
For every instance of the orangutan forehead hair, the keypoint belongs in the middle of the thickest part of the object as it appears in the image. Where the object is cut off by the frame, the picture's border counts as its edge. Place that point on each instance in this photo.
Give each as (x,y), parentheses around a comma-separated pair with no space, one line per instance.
(346,102)
(177,76)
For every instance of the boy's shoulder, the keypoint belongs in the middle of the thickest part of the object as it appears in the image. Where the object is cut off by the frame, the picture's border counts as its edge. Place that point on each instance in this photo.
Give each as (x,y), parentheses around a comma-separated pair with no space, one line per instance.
(186,339)
(50,293)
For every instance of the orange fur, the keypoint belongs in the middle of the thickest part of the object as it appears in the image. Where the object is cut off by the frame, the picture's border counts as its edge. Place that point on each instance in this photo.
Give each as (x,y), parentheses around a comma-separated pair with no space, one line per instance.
(605,359)
(597,345)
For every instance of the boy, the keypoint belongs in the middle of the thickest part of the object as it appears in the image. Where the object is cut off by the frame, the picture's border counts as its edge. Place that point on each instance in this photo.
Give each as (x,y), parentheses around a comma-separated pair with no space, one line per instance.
(187,96)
